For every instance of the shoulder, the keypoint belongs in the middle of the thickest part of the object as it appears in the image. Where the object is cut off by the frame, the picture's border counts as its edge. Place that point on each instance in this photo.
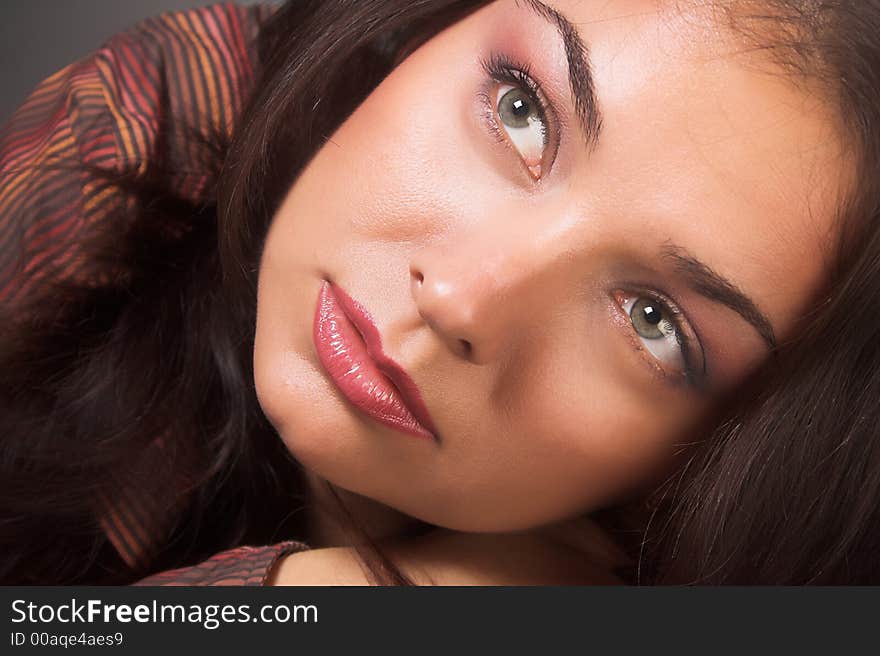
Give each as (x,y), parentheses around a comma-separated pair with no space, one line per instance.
(149,97)
(327,566)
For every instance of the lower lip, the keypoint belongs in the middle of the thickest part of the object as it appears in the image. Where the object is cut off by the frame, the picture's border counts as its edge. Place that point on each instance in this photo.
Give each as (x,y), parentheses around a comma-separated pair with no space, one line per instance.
(344,356)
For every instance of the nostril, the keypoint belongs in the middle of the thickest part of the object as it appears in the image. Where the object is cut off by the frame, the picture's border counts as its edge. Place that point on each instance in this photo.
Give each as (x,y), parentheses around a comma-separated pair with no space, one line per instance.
(466,347)
(417,275)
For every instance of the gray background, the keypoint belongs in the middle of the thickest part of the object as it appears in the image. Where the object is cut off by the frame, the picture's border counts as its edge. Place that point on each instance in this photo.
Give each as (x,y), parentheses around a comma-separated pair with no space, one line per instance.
(38,37)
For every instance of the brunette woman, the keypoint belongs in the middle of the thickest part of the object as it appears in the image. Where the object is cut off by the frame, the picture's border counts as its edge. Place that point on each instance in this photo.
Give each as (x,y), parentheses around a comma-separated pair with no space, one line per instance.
(448,292)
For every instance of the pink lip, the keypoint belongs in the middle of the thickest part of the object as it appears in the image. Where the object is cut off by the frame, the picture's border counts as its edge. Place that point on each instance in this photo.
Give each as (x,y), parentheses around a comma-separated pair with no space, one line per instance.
(350,349)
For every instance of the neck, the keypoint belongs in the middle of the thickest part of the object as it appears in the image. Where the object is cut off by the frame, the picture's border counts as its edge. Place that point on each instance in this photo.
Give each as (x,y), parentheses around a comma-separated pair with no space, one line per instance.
(328,526)
(586,536)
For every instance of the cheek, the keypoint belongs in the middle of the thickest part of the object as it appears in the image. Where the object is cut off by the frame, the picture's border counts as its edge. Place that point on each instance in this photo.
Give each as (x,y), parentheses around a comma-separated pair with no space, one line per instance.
(596,446)
(404,163)
(570,440)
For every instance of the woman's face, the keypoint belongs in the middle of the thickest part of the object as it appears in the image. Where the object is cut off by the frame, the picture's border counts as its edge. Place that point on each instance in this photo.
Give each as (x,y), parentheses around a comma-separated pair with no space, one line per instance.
(570,281)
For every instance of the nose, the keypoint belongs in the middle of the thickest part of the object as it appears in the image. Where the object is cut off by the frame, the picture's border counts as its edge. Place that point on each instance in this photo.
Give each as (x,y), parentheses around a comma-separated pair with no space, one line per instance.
(484,291)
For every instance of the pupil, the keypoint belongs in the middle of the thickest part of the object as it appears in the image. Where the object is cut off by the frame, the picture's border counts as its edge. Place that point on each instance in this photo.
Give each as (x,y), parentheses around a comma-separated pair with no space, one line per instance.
(652,315)
(520,107)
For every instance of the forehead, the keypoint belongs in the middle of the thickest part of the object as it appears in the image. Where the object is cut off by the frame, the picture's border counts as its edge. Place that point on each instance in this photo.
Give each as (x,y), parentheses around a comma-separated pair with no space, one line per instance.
(709,143)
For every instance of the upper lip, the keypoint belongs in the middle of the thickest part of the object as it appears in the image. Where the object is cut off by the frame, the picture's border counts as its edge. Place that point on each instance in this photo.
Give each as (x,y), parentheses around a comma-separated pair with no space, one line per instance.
(409,391)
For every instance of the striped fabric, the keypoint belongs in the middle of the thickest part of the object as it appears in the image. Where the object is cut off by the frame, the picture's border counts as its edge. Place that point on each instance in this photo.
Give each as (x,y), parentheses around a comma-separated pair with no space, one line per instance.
(241,566)
(189,68)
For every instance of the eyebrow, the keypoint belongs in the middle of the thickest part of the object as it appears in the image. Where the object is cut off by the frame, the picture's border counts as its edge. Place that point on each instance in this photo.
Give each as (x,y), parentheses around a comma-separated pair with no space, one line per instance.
(701,278)
(580,76)
(716,287)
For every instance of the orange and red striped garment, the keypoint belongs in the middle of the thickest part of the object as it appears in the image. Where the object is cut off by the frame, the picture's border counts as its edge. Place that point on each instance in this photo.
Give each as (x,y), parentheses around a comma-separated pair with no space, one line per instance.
(104,112)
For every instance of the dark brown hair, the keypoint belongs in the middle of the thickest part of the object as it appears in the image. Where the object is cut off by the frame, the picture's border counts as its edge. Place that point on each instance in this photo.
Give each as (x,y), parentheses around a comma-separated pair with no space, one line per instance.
(784,488)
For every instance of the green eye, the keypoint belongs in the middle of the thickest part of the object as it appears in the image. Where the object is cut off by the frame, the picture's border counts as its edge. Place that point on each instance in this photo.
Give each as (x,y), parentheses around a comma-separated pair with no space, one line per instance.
(661,330)
(521,117)
(515,109)
(650,319)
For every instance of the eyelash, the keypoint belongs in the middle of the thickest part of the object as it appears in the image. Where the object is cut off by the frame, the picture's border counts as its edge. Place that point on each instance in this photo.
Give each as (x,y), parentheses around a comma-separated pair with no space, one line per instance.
(691,376)
(502,69)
